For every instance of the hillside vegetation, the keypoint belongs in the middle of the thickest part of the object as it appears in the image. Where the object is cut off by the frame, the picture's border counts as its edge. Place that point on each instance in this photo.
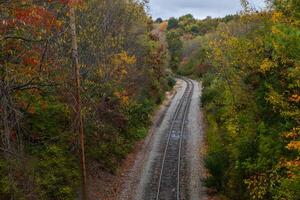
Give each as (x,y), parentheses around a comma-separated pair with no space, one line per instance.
(123,77)
(250,68)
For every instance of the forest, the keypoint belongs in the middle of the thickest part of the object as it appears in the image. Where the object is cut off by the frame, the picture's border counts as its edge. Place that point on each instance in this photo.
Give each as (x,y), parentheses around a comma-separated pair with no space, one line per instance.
(123,76)
(80,80)
(249,65)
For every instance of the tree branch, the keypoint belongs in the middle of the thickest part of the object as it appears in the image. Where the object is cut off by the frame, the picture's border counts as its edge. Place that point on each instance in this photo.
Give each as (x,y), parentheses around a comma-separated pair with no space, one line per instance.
(21,38)
(10,152)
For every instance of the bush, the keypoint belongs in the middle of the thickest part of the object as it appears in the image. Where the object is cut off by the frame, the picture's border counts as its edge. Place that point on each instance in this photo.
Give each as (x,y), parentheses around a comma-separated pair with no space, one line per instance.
(216,163)
(171,82)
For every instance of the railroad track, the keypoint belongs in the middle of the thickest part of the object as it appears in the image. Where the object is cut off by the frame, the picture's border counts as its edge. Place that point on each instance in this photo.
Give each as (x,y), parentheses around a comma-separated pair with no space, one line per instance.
(168,187)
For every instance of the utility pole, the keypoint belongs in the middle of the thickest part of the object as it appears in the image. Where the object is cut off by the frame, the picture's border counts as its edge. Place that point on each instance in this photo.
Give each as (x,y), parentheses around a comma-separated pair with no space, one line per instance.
(76,67)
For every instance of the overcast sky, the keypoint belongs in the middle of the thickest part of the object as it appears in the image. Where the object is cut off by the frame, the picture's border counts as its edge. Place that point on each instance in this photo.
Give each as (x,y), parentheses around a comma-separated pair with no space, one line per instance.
(199,8)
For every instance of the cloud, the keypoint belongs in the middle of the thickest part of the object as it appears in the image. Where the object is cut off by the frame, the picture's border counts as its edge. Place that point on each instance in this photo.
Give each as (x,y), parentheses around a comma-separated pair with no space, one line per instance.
(199,8)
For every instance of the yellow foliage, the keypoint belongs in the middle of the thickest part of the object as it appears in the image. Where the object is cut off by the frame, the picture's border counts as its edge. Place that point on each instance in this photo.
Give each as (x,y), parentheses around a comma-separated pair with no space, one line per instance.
(257,185)
(277,16)
(294,134)
(232,128)
(121,62)
(294,145)
(293,167)
(123,97)
(123,59)
(266,65)
(101,71)
(276,31)
(277,101)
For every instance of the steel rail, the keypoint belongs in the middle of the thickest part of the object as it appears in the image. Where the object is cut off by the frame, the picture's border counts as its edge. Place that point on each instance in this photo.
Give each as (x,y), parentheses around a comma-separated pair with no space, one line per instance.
(181,137)
(187,95)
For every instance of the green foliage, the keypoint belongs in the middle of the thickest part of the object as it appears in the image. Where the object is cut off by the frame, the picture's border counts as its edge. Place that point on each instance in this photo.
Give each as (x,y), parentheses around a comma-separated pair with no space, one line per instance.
(175,48)
(171,81)
(9,185)
(216,160)
(56,174)
(159,20)
(172,23)
(196,64)
(125,80)
(288,189)
(191,58)
(251,102)
(123,77)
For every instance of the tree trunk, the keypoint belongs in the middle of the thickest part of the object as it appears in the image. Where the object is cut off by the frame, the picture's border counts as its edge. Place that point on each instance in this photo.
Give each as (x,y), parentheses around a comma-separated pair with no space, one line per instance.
(78,99)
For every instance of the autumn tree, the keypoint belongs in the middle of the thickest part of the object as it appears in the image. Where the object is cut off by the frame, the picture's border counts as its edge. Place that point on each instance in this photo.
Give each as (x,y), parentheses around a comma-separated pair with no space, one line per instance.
(39,101)
(250,98)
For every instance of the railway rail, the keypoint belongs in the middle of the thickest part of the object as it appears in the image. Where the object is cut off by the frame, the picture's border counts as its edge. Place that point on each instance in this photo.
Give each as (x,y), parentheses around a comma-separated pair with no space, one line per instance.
(168,186)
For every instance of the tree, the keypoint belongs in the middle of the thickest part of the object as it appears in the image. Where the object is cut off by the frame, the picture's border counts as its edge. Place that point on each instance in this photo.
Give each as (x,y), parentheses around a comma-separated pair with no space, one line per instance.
(80,126)
(159,20)
(43,100)
(250,97)
(175,48)
(172,23)
(187,17)
(194,28)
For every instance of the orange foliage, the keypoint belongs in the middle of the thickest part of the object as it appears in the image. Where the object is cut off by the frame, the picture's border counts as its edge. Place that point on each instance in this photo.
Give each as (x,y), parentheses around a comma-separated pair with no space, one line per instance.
(31,110)
(294,134)
(294,145)
(30,61)
(295,98)
(123,97)
(36,16)
(163,26)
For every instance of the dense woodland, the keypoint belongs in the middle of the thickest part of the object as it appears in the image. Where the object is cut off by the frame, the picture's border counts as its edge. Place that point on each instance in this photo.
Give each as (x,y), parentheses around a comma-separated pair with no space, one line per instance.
(250,68)
(98,69)
(123,77)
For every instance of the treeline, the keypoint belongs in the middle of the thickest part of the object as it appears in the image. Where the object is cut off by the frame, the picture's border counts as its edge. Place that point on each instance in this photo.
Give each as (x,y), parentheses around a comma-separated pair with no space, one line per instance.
(184,37)
(251,100)
(123,77)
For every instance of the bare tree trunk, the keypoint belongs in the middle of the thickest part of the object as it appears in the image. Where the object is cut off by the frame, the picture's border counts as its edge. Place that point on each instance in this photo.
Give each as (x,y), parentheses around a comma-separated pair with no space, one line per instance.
(8,124)
(6,127)
(78,100)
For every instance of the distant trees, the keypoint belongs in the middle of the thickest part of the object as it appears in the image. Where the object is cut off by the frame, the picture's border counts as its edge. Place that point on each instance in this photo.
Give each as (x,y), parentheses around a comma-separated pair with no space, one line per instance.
(194,28)
(175,48)
(195,60)
(186,28)
(208,25)
(172,23)
(159,20)
(187,24)
(186,20)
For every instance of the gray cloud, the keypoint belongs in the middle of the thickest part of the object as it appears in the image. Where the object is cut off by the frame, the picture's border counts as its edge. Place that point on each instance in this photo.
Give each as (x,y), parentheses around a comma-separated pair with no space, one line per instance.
(199,8)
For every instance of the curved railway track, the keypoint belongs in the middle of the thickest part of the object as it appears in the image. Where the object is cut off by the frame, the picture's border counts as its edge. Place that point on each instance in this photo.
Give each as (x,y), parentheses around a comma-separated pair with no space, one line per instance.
(168,186)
